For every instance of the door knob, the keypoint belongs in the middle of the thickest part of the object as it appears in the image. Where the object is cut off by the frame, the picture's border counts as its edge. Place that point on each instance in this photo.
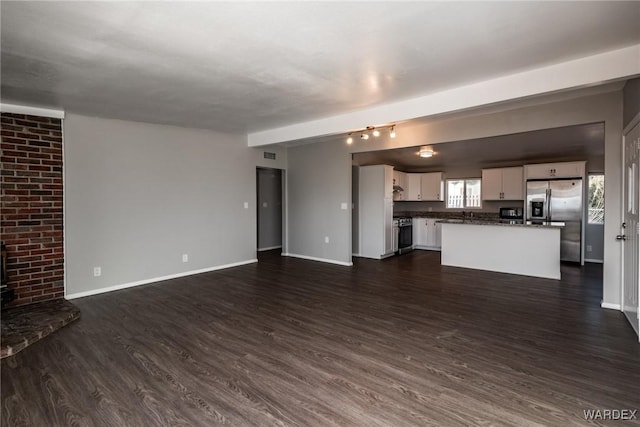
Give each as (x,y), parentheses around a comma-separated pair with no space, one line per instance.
(621,237)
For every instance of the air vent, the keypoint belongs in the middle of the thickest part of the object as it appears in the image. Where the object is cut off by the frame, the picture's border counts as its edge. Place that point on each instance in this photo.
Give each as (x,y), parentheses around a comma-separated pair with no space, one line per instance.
(270,156)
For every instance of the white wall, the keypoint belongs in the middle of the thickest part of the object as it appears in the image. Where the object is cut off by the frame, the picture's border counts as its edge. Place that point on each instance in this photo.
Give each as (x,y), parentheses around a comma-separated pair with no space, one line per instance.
(318,181)
(138,196)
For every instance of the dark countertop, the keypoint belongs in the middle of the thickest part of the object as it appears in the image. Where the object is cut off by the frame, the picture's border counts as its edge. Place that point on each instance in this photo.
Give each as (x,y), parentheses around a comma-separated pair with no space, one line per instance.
(471,221)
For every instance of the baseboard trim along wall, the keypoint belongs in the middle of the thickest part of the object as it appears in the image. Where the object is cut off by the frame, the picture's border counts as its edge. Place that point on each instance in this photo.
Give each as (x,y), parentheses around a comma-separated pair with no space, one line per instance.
(269,248)
(610,306)
(155,279)
(312,258)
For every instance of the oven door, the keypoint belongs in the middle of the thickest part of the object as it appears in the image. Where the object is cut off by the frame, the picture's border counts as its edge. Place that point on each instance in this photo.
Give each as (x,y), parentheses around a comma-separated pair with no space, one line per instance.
(405,237)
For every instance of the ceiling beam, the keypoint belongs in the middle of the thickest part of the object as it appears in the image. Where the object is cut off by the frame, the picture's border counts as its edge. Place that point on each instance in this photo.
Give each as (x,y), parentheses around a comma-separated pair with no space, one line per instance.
(592,70)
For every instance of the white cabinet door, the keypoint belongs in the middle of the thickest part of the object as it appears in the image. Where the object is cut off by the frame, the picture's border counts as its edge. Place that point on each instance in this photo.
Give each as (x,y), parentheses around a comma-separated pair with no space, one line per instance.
(512,183)
(413,186)
(503,184)
(415,231)
(431,186)
(556,170)
(423,232)
(438,235)
(492,184)
(431,232)
(569,170)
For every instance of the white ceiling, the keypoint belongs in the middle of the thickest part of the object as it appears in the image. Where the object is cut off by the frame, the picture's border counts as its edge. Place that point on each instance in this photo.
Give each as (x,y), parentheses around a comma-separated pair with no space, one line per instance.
(251,66)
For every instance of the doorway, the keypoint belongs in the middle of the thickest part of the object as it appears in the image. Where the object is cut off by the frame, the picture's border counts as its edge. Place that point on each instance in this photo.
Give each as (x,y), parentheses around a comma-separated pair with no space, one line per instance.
(269,208)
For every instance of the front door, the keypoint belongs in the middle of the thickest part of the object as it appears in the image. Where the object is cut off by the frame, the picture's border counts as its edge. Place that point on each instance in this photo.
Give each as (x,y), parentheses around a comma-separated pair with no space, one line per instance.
(629,231)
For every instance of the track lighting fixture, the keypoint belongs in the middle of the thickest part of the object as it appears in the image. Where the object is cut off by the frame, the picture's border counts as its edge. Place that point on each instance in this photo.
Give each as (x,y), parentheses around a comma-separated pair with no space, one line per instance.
(371,130)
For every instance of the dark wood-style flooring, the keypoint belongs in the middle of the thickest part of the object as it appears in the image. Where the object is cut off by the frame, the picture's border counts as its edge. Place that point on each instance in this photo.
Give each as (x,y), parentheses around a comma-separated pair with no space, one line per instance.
(399,342)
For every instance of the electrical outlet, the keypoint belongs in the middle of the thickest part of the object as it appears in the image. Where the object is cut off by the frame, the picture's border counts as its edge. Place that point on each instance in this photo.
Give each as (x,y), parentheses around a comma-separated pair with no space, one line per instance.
(265,204)
(185,257)
(589,248)
(326,239)
(246,205)
(97,271)
(343,206)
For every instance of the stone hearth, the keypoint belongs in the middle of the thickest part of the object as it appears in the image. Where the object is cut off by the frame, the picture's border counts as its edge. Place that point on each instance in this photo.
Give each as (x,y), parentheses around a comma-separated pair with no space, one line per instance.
(23,326)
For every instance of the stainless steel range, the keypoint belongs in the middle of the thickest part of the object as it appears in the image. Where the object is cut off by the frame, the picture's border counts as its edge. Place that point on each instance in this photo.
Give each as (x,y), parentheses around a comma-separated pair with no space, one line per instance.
(405,234)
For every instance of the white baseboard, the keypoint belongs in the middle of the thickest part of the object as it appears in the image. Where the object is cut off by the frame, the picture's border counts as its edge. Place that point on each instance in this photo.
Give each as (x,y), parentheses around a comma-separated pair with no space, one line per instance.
(155,279)
(610,306)
(312,258)
(595,261)
(269,248)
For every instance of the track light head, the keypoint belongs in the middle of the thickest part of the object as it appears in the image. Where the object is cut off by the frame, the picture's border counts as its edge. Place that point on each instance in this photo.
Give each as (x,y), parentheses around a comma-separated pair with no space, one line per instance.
(392,132)
(349,139)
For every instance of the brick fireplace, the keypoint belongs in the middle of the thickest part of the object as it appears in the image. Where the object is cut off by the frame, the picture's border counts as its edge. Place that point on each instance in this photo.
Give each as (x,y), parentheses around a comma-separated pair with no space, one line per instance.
(32,207)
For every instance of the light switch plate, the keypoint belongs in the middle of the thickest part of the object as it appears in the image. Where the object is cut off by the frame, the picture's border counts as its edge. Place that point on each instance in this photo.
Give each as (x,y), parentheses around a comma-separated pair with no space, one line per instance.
(343,206)
(246,205)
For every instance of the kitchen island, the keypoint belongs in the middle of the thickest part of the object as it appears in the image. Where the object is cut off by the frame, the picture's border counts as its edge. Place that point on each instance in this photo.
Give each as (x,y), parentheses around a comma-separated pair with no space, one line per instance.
(518,248)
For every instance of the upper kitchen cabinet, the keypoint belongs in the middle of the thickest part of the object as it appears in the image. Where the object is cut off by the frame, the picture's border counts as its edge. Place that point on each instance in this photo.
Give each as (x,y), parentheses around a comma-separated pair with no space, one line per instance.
(399,185)
(555,170)
(413,190)
(427,187)
(432,187)
(503,184)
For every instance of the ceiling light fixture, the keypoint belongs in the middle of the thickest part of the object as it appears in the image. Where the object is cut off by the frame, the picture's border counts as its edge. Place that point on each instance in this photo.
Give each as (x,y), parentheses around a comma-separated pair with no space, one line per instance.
(426,152)
(371,130)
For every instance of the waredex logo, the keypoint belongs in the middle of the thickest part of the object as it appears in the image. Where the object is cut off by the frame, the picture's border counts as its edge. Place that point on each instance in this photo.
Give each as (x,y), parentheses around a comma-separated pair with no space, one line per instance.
(610,414)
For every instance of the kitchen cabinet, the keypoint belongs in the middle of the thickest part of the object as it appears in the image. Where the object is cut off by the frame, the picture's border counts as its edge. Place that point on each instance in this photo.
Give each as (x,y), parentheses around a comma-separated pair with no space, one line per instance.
(503,184)
(555,170)
(427,233)
(399,180)
(432,186)
(414,191)
(375,207)
(424,187)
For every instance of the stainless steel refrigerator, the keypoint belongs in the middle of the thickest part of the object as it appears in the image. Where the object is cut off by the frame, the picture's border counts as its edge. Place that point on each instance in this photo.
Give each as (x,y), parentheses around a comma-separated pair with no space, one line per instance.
(559,200)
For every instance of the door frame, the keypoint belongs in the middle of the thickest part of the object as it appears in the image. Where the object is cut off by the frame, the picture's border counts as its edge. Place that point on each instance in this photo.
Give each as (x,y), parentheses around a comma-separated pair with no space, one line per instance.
(627,129)
(283,204)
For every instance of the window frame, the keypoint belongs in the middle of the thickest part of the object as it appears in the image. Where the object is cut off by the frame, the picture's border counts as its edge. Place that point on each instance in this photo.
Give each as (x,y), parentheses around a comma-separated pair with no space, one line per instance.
(464,193)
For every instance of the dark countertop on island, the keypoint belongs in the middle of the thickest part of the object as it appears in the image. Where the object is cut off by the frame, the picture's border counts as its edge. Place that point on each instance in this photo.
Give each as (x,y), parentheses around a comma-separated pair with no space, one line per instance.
(503,223)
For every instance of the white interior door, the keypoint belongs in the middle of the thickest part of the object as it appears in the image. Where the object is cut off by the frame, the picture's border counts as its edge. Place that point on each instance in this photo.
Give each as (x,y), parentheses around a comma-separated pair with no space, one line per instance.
(629,231)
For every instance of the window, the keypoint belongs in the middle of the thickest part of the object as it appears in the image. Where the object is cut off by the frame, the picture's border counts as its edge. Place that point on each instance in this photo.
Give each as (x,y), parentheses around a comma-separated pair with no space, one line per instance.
(464,193)
(596,199)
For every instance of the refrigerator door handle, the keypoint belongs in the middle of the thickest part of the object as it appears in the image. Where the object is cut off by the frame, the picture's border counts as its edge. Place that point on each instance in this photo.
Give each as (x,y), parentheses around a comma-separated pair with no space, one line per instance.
(548,202)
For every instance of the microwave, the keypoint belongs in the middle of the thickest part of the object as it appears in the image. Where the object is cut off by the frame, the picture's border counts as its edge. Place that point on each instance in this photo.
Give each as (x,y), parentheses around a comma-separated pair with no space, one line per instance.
(511,213)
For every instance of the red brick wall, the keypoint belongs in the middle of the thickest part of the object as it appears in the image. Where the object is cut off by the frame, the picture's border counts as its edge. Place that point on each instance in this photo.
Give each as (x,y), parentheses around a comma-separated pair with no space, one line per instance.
(31,224)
